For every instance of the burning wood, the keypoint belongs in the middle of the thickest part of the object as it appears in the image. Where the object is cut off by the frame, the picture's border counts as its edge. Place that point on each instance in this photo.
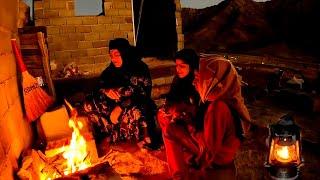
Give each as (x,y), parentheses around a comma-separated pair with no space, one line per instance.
(66,159)
(38,166)
(77,157)
(114,163)
(76,153)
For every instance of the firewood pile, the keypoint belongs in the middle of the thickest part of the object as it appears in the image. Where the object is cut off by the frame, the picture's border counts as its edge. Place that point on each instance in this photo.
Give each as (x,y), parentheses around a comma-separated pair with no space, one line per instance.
(37,165)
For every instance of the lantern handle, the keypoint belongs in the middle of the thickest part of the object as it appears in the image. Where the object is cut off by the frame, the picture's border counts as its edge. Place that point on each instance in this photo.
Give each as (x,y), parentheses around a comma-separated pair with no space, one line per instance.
(287,119)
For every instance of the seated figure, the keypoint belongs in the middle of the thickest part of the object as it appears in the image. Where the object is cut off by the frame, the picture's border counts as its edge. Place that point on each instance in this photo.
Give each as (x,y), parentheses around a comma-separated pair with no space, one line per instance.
(121,107)
(213,135)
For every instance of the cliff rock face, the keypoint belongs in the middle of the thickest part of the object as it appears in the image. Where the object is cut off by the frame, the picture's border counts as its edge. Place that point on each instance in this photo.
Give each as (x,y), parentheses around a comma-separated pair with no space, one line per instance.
(194,18)
(233,24)
(242,25)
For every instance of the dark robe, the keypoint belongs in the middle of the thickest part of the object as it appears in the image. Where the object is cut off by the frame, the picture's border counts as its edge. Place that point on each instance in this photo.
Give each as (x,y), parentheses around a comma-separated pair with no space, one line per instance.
(134,77)
(133,82)
(182,90)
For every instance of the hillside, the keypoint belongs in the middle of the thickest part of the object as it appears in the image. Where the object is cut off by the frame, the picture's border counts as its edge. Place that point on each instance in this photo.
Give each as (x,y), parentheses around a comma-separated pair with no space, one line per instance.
(245,25)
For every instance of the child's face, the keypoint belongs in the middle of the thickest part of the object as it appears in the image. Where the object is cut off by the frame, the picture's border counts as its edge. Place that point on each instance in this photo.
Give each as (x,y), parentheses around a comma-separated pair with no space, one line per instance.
(182,68)
(116,58)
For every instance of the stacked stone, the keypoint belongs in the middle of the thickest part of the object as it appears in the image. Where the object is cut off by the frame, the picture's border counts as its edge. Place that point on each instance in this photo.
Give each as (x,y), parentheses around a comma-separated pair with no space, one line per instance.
(83,39)
(15,132)
(179,25)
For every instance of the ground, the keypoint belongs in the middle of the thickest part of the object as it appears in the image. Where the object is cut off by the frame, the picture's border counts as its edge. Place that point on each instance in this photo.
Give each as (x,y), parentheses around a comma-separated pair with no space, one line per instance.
(249,160)
(264,110)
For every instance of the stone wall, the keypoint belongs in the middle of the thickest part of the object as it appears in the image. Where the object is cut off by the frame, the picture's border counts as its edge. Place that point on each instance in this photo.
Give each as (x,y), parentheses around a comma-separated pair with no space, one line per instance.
(179,25)
(83,39)
(15,133)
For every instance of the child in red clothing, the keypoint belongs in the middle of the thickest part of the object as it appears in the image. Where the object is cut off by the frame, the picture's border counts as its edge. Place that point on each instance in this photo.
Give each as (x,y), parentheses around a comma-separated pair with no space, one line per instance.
(217,142)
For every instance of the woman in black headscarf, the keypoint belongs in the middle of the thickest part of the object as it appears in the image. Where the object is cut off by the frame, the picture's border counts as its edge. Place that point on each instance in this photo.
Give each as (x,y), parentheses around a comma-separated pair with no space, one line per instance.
(182,89)
(182,95)
(123,103)
(125,66)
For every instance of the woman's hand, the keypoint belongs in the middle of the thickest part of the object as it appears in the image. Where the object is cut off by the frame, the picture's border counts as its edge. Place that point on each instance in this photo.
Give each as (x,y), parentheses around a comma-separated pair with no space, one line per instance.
(162,113)
(111,93)
(191,128)
(115,114)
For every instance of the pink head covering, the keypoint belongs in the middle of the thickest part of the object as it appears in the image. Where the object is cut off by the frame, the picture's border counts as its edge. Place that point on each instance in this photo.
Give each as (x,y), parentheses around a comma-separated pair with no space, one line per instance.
(219,80)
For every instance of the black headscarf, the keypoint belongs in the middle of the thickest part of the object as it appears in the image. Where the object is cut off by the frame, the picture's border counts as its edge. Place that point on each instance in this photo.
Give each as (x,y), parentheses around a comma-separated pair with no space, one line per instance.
(123,46)
(132,65)
(190,57)
(182,89)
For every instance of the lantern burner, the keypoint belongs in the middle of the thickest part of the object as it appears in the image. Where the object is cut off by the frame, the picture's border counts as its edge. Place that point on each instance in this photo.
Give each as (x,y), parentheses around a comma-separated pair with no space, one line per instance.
(284,157)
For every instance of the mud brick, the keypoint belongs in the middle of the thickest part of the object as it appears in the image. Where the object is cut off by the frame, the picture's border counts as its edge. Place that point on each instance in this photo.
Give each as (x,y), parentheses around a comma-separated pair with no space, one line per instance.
(94,51)
(112,27)
(74,21)
(58,21)
(99,44)
(125,12)
(85,44)
(104,20)
(126,27)
(83,29)
(89,20)
(98,28)
(91,36)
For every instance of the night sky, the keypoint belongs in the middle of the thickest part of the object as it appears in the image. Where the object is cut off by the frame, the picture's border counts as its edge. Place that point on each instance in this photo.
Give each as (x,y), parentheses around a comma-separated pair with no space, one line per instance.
(198,4)
(88,6)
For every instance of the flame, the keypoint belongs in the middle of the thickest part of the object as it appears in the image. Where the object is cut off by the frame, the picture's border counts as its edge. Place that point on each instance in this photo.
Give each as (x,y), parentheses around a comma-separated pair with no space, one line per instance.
(286,154)
(76,153)
(73,111)
(283,153)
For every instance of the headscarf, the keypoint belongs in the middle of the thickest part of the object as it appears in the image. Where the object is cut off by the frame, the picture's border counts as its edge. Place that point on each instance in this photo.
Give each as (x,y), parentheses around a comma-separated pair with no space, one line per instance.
(132,65)
(182,89)
(190,57)
(123,46)
(131,55)
(219,80)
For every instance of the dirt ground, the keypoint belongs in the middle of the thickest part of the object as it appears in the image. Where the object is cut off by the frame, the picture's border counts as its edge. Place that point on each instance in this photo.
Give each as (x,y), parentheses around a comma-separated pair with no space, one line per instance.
(249,162)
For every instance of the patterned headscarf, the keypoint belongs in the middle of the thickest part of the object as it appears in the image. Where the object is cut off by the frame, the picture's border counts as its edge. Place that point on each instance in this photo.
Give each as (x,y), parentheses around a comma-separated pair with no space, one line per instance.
(219,80)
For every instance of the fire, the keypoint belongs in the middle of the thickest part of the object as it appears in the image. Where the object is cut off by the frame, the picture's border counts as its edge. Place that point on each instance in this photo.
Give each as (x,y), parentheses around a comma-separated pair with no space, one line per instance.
(67,156)
(76,152)
(283,153)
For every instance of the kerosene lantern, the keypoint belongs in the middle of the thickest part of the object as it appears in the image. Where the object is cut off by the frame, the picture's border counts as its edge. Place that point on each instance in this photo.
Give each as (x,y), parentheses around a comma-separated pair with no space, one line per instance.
(284,157)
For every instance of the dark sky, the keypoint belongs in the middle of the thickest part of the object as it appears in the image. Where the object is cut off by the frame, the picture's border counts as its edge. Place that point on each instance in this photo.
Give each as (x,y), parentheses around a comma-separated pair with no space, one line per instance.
(89,7)
(198,4)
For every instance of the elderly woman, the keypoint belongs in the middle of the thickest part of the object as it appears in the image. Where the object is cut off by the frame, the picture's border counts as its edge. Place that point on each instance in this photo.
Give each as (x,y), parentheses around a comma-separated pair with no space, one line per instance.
(123,109)
(216,142)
